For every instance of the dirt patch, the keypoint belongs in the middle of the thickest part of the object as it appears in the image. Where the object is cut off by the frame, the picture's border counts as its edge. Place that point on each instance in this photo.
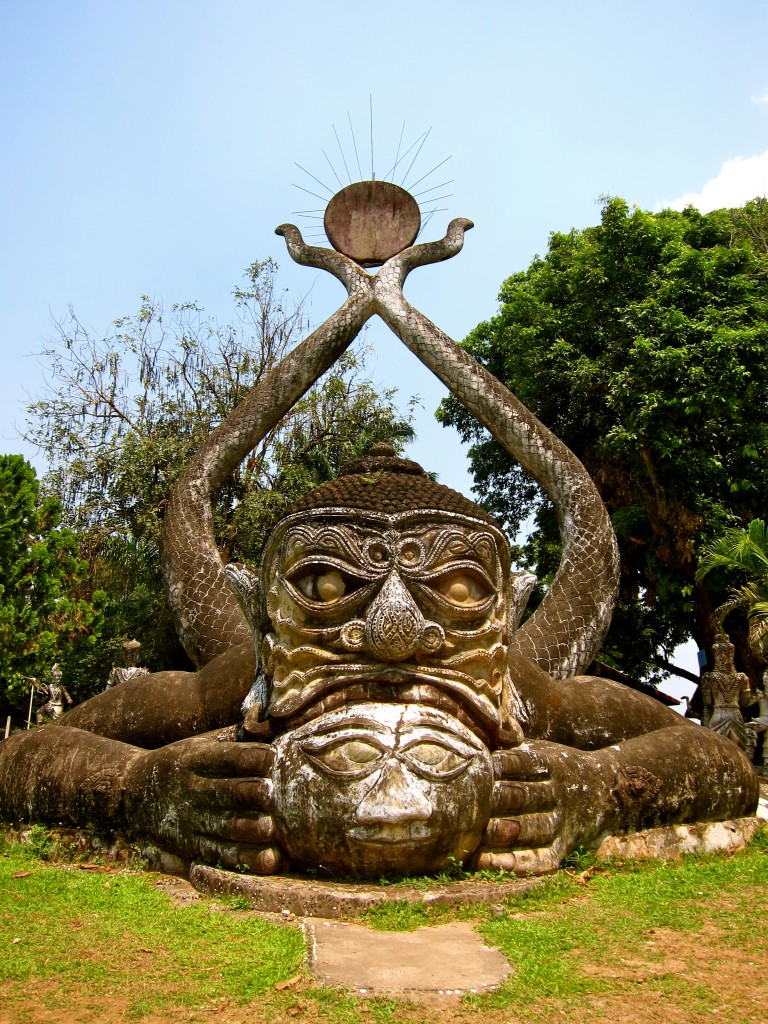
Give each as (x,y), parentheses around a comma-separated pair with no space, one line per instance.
(664,979)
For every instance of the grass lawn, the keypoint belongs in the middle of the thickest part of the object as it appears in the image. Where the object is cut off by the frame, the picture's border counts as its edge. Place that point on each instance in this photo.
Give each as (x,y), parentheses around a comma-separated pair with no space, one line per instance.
(657,941)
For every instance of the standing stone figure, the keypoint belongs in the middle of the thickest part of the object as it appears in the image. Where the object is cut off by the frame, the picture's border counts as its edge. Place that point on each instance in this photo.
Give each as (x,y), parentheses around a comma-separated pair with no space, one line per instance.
(759,725)
(56,694)
(725,691)
(375,704)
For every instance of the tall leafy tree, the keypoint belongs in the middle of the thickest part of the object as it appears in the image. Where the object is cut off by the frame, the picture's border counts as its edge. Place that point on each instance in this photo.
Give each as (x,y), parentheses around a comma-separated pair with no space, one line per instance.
(643,343)
(42,610)
(124,413)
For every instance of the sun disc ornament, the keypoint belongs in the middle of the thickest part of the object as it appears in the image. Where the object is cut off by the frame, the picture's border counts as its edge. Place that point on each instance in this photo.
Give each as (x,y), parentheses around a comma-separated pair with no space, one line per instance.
(371,221)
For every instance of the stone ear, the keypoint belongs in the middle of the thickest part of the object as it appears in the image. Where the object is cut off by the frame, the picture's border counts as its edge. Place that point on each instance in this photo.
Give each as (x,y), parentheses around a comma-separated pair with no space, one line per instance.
(244,583)
(521,585)
(513,713)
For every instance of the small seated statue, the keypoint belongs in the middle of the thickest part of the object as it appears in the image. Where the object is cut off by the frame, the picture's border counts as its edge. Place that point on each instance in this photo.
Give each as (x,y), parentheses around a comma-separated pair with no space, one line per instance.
(122,673)
(370,702)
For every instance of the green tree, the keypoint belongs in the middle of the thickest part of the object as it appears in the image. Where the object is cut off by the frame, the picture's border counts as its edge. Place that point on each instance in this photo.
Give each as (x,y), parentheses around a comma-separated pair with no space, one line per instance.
(642,343)
(124,413)
(42,610)
(744,554)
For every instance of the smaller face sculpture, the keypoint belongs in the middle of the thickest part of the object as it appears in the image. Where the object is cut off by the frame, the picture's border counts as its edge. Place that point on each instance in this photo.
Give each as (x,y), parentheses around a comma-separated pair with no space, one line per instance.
(377,788)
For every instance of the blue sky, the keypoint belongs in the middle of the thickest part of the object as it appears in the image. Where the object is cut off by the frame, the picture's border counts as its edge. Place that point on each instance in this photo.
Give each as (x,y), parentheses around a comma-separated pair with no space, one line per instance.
(150,147)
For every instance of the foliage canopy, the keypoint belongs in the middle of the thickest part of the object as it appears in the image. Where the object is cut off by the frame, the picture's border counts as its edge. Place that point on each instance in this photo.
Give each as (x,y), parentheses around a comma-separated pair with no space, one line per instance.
(42,611)
(642,343)
(743,554)
(124,413)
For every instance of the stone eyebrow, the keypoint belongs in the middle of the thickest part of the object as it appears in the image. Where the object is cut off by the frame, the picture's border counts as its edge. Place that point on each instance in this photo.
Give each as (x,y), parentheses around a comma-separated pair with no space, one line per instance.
(425,722)
(352,723)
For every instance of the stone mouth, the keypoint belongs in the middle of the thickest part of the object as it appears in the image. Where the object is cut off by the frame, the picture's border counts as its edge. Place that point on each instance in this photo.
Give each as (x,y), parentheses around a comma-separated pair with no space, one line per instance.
(390,835)
(399,685)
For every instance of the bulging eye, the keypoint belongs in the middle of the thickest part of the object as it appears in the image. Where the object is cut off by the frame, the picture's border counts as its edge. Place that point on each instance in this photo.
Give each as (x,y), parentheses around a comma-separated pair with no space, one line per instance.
(462,589)
(437,761)
(347,757)
(323,584)
(326,586)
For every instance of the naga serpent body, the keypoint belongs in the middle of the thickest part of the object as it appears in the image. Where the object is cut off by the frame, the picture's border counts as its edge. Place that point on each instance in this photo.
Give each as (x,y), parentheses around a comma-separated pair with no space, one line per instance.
(568,627)
(381,729)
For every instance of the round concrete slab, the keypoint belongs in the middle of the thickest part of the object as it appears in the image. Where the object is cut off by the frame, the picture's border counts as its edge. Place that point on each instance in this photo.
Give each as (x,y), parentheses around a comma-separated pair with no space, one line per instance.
(307,897)
(370,221)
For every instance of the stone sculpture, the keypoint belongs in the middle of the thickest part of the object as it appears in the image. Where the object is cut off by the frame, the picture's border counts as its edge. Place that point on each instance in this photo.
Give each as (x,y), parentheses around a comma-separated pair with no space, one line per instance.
(57,695)
(758,727)
(724,692)
(369,702)
(122,673)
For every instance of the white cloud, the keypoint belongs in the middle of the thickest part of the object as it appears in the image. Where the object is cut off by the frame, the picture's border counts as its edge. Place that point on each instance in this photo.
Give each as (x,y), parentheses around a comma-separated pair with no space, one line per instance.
(738,181)
(762,98)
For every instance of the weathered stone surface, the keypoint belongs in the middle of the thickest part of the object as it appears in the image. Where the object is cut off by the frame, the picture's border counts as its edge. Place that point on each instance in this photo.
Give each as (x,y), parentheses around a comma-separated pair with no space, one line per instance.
(375,789)
(673,841)
(371,221)
(310,898)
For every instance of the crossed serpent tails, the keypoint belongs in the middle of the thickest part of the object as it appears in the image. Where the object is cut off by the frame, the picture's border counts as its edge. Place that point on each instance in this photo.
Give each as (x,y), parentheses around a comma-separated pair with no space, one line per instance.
(566,629)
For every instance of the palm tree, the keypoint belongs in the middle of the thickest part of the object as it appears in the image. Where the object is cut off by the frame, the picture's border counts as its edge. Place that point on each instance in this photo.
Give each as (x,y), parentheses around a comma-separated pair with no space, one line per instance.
(745,552)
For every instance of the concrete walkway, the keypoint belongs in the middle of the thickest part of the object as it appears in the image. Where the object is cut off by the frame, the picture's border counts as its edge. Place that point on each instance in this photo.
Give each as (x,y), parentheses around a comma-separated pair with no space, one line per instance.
(437,964)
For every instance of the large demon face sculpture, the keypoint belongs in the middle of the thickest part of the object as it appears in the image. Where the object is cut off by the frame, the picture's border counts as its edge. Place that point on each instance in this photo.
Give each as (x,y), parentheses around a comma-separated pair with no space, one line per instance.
(386,654)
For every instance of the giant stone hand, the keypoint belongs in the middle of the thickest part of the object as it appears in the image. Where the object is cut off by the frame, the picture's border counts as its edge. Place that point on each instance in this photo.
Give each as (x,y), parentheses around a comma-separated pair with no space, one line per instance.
(208,800)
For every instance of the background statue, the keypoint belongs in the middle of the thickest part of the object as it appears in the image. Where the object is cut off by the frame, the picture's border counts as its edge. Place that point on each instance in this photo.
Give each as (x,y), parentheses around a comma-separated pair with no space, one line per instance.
(122,673)
(368,701)
(57,695)
(758,727)
(724,692)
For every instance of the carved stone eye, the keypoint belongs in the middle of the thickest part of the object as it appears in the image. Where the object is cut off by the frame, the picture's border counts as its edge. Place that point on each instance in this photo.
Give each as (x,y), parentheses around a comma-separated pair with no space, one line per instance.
(330,586)
(326,587)
(411,553)
(378,553)
(462,589)
(347,757)
(436,761)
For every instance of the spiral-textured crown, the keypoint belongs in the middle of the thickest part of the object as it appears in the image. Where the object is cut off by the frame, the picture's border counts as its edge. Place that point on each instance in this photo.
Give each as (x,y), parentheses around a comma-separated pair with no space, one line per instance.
(383,482)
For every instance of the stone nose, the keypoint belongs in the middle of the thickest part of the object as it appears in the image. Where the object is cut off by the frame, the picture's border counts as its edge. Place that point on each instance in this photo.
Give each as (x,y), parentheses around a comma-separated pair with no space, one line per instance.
(393,624)
(395,799)
(394,628)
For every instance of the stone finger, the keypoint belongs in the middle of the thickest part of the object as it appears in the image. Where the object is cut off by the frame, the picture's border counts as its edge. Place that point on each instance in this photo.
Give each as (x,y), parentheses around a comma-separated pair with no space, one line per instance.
(255,758)
(260,860)
(487,861)
(213,757)
(522,764)
(253,831)
(541,861)
(250,794)
(523,796)
(527,830)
